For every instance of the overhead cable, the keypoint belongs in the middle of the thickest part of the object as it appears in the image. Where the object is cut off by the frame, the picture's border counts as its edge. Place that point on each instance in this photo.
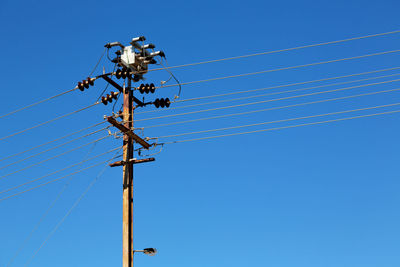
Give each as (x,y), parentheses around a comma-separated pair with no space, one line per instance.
(283,127)
(52,141)
(284,68)
(78,200)
(57,171)
(37,103)
(281,50)
(52,148)
(278,121)
(56,156)
(49,121)
(51,97)
(274,93)
(217,60)
(269,109)
(269,100)
(44,215)
(55,180)
(98,62)
(277,86)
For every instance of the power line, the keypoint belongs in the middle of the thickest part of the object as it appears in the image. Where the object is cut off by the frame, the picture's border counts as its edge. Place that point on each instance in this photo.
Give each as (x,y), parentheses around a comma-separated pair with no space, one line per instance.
(52,97)
(283,127)
(37,103)
(52,141)
(44,215)
(78,200)
(98,62)
(269,109)
(52,181)
(216,60)
(57,171)
(279,86)
(56,156)
(284,68)
(52,148)
(274,93)
(281,50)
(278,121)
(49,121)
(269,100)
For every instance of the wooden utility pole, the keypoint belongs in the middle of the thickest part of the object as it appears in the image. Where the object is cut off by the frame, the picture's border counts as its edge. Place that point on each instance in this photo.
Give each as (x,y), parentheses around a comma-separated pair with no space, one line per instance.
(134,64)
(127,195)
(126,127)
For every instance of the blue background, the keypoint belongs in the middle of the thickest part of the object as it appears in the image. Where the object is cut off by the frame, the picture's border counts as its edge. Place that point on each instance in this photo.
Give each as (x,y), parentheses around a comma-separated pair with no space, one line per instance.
(324,195)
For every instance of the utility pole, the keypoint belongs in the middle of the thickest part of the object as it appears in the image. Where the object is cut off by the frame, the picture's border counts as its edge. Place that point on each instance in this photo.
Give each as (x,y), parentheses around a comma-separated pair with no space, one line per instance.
(133,61)
(127,193)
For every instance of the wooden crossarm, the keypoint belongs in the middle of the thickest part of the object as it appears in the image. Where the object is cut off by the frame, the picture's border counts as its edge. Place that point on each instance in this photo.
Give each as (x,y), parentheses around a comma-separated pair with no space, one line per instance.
(128,132)
(119,87)
(131,161)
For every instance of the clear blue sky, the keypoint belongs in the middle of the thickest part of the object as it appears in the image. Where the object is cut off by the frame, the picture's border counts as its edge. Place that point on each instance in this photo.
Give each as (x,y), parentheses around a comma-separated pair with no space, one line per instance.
(322,195)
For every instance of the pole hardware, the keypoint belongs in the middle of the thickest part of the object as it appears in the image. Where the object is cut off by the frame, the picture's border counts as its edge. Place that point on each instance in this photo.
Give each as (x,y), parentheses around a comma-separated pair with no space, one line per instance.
(146,88)
(162,102)
(128,132)
(131,161)
(109,45)
(86,83)
(147,251)
(135,58)
(109,98)
(122,73)
(121,89)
